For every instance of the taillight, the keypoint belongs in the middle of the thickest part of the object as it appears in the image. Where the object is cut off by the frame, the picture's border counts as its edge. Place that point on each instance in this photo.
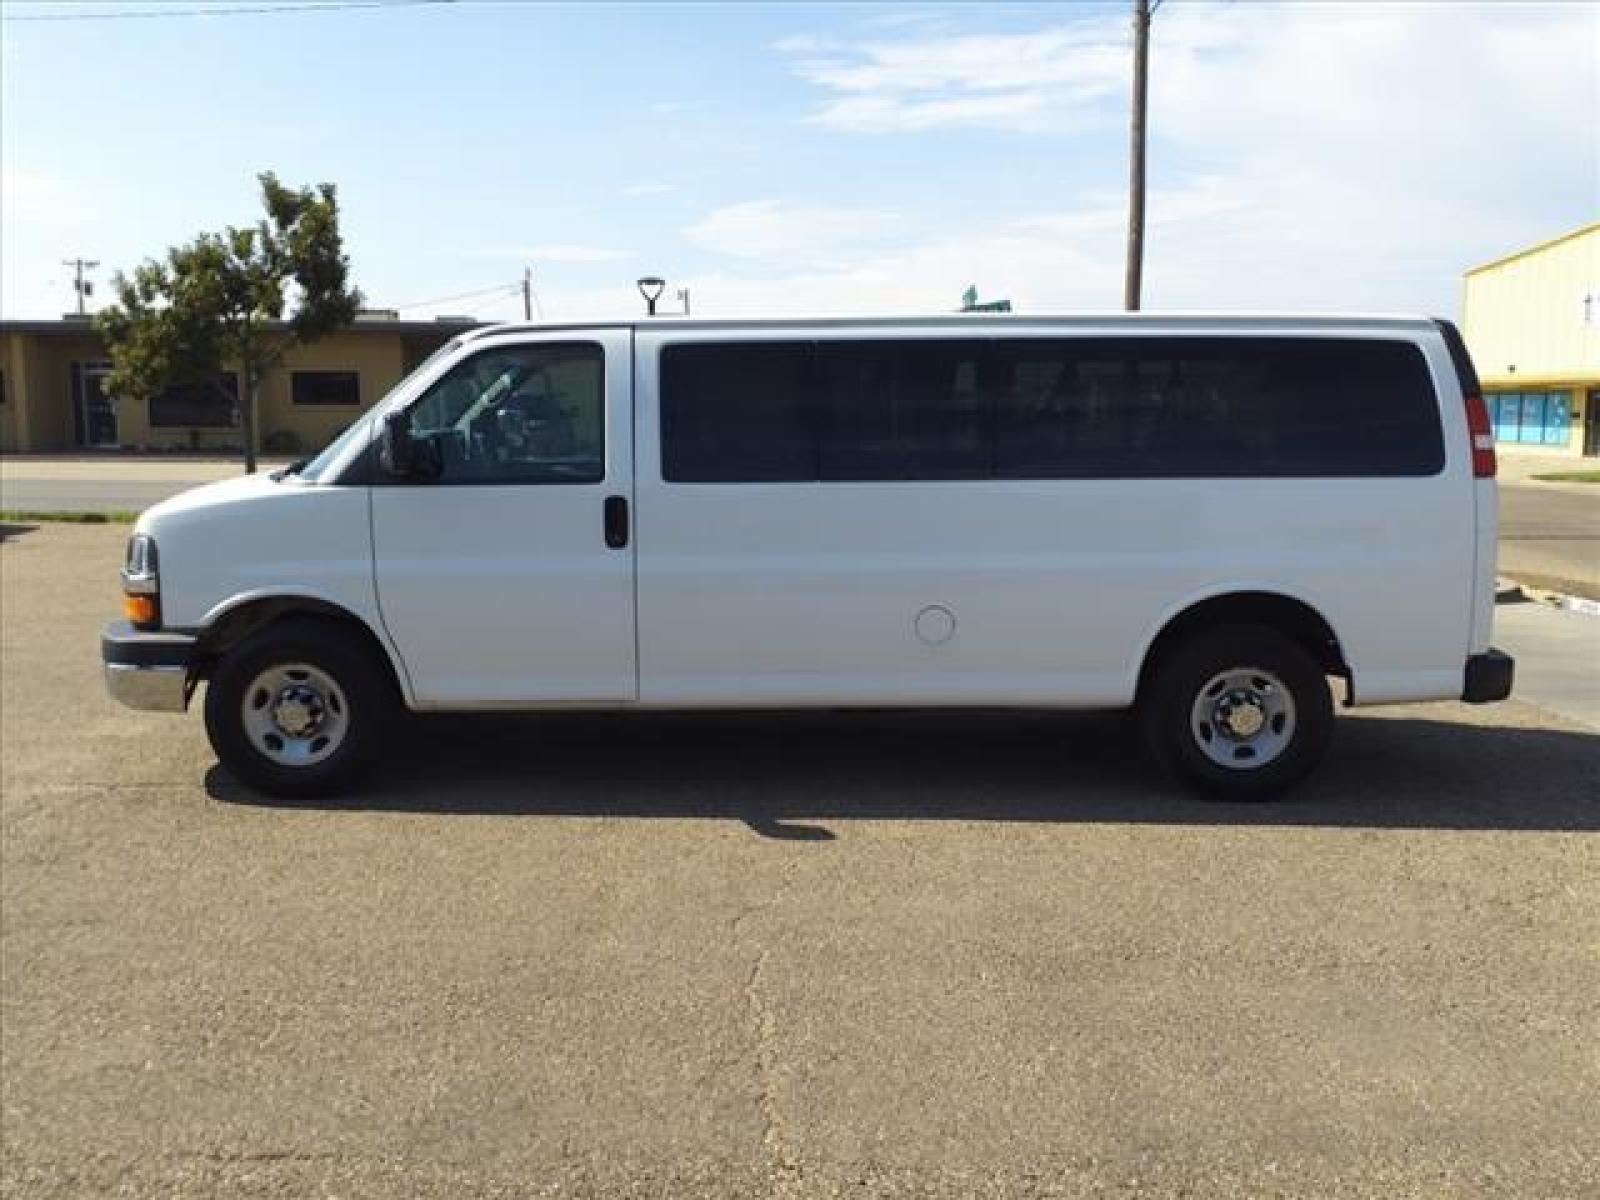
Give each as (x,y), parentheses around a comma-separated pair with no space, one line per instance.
(1482,434)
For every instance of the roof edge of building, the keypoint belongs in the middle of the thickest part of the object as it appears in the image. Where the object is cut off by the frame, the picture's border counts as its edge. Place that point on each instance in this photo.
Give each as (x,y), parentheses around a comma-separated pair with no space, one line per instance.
(78,325)
(1580,231)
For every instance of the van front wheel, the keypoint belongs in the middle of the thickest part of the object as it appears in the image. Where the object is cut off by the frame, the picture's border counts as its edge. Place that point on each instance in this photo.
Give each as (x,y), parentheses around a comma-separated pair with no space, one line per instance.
(297,709)
(1240,712)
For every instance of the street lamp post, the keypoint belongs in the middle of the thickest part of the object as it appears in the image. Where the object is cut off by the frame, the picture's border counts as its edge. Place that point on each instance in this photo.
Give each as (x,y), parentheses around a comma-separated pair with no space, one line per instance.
(651,287)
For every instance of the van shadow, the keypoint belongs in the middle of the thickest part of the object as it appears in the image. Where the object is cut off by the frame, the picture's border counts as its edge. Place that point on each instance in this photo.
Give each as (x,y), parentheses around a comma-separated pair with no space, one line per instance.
(782,773)
(9,530)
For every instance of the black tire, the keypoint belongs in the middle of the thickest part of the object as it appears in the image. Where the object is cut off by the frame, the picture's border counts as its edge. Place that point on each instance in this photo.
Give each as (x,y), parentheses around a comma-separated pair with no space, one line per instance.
(342,654)
(1168,712)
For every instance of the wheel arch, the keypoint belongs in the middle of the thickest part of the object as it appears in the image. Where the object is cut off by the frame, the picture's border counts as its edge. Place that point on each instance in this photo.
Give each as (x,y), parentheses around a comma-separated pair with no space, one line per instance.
(243,616)
(1290,615)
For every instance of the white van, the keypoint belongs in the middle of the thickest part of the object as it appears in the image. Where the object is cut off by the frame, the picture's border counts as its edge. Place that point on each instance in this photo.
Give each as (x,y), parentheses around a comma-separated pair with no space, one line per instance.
(1201,518)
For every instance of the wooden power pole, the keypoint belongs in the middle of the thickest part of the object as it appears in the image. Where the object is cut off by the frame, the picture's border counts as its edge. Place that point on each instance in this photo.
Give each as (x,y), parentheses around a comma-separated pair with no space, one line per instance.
(83,287)
(1141,91)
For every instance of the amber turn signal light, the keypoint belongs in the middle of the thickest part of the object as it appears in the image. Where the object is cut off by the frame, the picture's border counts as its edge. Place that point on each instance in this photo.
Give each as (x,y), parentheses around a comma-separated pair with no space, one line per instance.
(141,610)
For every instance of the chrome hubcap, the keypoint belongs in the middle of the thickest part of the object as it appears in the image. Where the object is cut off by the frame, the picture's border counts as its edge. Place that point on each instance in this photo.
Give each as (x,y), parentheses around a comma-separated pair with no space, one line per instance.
(1243,718)
(295,714)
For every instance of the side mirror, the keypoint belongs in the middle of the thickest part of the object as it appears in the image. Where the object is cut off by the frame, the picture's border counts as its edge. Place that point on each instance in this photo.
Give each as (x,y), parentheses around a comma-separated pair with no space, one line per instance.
(396,449)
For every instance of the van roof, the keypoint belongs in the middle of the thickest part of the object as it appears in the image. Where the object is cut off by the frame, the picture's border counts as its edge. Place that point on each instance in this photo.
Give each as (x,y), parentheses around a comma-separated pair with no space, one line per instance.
(1086,321)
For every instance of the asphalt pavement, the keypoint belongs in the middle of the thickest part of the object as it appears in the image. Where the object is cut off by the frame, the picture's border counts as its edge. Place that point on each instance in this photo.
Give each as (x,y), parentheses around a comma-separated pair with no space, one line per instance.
(713,955)
(1550,536)
(106,484)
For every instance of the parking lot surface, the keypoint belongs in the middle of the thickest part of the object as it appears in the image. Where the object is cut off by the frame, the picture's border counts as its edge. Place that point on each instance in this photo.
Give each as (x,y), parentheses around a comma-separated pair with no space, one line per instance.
(970,954)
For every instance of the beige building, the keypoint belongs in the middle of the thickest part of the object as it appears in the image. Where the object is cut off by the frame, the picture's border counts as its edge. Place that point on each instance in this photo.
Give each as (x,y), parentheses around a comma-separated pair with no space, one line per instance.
(1532,322)
(53,398)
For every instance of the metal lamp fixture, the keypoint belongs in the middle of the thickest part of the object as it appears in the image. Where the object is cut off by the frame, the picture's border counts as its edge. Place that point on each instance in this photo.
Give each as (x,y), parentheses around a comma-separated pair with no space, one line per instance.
(651,287)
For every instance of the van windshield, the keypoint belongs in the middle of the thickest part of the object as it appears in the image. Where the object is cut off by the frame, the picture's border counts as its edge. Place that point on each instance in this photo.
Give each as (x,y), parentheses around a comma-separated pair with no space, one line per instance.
(315,468)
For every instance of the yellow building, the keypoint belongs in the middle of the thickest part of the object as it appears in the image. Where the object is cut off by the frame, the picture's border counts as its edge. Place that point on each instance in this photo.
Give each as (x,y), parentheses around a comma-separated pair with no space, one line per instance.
(53,398)
(1532,322)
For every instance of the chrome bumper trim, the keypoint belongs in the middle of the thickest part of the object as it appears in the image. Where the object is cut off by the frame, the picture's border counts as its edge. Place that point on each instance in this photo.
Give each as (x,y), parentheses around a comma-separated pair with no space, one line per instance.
(154,689)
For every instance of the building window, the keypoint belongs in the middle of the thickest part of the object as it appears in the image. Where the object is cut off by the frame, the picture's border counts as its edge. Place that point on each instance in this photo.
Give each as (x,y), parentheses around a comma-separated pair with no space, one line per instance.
(197,405)
(1532,418)
(325,387)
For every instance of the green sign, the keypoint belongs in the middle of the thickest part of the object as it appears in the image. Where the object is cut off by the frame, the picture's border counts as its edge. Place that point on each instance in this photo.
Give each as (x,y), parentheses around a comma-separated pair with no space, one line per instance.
(969,302)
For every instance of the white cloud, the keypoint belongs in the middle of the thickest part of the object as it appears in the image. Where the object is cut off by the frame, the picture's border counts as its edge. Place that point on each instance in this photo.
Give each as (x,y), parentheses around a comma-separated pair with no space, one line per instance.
(571,252)
(776,232)
(1354,156)
(1048,79)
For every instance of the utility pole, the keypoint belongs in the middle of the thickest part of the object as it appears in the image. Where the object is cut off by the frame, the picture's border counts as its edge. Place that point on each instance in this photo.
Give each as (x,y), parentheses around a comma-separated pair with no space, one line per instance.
(1141,91)
(83,287)
(527,293)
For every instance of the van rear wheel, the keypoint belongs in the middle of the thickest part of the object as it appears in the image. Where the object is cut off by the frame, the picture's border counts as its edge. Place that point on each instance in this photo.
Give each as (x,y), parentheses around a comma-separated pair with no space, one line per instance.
(297,709)
(1239,712)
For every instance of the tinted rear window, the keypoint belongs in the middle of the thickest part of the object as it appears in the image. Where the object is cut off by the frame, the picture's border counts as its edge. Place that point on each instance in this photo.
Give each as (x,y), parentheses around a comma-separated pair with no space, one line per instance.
(737,413)
(901,410)
(1052,408)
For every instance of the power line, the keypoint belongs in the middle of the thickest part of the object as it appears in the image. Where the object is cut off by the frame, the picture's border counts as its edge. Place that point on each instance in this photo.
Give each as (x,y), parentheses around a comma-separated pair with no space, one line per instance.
(507,288)
(156,14)
(477,308)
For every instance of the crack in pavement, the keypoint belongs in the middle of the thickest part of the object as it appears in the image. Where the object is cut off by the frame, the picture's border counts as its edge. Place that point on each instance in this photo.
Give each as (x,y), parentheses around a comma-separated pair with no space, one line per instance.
(774,1120)
(787,1174)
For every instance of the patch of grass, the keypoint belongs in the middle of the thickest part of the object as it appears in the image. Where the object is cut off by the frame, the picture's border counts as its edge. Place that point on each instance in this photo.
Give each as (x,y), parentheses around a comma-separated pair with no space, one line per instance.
(115,516)
(1570,477)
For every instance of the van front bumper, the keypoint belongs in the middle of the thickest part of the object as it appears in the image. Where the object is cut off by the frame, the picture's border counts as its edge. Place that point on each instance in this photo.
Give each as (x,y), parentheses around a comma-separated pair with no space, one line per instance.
(1488,677)
(147,670)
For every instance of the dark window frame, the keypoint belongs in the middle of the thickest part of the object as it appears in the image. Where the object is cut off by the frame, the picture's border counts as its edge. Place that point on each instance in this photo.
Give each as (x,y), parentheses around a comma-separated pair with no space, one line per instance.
(306,374)
(172,395)
(1161,381)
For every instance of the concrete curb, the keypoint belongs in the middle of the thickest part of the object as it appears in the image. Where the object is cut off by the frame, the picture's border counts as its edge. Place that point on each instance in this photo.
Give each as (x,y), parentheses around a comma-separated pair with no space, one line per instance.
(1509,591)
(1581,604)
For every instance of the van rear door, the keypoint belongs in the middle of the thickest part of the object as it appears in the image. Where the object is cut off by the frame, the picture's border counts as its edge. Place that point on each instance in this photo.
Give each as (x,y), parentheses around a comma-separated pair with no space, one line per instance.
(1486,495)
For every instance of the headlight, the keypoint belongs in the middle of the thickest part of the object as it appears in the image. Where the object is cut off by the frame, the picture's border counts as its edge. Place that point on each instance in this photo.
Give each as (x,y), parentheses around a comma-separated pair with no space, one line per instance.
(141,583)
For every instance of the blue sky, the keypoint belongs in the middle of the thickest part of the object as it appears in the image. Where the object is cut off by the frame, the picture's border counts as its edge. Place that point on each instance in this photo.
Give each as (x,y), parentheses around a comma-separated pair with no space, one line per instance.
(840,158)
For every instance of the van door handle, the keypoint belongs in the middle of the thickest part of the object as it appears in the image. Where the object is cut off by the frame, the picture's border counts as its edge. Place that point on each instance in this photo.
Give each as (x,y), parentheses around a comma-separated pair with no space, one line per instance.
(616,522)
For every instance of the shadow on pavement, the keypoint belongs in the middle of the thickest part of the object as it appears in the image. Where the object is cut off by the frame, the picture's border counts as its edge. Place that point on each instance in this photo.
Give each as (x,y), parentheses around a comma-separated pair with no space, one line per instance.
(9,530)
(778,772)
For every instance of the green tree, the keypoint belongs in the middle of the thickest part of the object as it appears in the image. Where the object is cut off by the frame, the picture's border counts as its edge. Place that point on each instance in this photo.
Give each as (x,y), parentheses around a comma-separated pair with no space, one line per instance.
(220,301)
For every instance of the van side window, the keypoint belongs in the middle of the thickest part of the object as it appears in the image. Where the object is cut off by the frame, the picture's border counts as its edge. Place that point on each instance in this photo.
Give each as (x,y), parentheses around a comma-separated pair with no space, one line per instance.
(1214,407)
(901,410)
(798,412)
(519,414)
(1047,408)
(737,413)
